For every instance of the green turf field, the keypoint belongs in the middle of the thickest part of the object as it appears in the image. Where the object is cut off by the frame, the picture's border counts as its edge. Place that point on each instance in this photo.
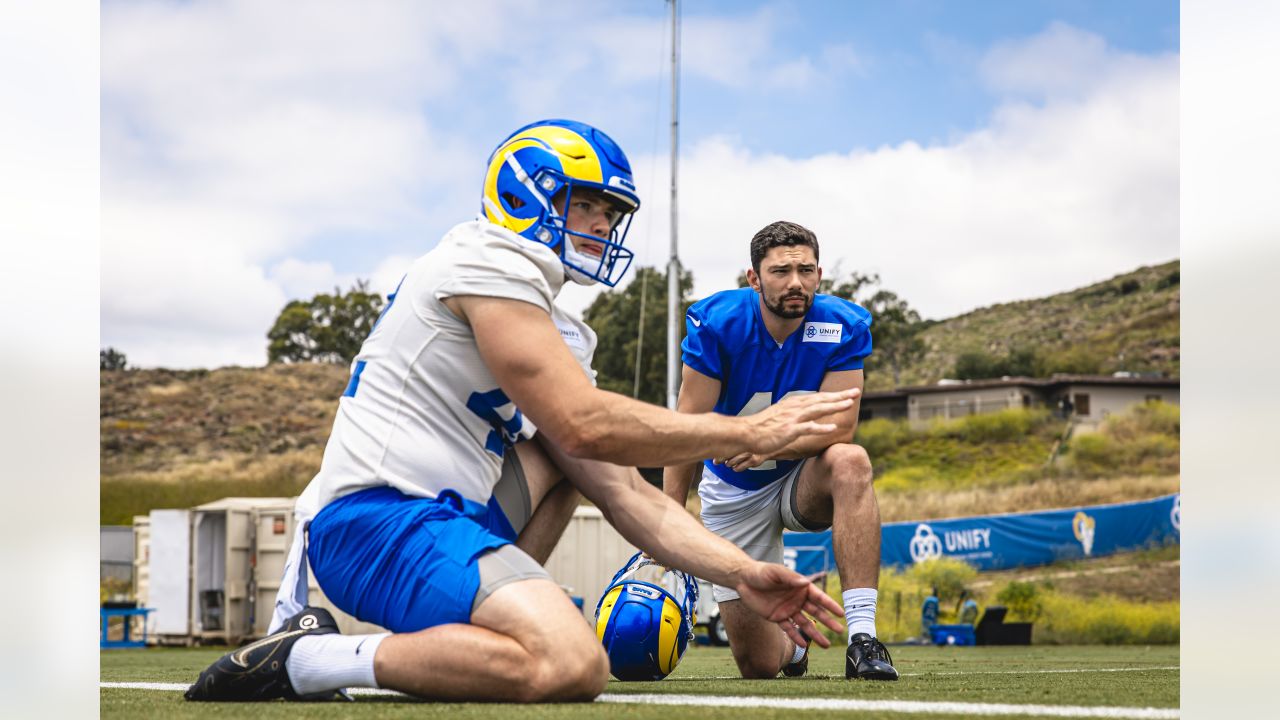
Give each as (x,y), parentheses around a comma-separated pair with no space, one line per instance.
(1097,677)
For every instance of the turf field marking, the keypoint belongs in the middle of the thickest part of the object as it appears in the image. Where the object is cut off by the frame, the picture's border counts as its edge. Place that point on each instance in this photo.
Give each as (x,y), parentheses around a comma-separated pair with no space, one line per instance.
(892,706)
(895,706)
(962,672)
(1042,672)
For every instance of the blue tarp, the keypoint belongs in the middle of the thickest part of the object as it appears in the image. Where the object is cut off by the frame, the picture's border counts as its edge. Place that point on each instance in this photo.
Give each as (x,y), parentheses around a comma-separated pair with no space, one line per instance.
(997,542)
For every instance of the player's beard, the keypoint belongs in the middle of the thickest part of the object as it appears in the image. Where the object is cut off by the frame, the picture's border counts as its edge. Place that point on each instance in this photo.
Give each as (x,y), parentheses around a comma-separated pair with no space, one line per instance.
(779,307)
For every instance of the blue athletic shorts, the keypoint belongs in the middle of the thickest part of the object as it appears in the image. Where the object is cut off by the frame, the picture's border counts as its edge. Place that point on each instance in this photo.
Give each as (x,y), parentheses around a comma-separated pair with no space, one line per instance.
(405,563)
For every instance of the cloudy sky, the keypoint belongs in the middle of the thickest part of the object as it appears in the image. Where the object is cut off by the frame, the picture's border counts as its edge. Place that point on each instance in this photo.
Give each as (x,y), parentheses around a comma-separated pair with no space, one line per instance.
(971,153)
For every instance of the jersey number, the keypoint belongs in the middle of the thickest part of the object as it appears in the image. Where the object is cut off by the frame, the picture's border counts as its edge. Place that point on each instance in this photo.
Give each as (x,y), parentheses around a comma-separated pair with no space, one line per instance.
(506,431)
(758,402)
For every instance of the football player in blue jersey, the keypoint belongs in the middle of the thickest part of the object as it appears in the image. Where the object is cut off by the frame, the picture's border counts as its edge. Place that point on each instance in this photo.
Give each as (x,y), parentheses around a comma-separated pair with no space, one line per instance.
(442,487)
(744,351)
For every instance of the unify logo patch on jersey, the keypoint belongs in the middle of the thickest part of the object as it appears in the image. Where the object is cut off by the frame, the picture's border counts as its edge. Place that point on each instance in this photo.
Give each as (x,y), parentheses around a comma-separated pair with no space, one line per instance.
(822,332)
(572,336)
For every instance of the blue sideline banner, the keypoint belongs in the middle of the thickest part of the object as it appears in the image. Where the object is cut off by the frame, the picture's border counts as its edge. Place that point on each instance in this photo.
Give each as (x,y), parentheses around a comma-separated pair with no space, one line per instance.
(998,542)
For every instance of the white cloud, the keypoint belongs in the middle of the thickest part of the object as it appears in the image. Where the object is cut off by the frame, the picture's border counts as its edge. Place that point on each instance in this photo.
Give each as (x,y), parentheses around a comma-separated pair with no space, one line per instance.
(236,133)
(1048,196)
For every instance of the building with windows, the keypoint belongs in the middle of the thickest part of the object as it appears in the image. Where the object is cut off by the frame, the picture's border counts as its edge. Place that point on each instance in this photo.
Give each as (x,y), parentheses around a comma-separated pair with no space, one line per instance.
(1086,399)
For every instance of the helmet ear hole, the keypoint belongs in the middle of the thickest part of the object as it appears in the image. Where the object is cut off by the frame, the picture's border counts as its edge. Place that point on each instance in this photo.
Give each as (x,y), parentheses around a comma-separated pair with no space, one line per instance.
(512,201)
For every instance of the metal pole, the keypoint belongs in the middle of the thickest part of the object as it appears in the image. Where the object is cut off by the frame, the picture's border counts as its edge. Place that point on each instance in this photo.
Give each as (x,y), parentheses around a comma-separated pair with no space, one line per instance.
(673,265)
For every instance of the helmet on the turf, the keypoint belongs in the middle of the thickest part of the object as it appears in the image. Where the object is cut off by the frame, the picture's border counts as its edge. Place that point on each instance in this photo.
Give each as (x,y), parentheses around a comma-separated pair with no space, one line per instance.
(548,158)
(645,619)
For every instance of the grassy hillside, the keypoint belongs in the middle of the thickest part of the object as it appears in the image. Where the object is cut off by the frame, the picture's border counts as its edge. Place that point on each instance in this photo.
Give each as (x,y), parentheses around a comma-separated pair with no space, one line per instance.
(1129,322)
(178,438)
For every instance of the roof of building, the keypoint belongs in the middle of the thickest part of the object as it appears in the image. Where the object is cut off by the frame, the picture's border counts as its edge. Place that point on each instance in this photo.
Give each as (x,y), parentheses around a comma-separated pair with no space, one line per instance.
(1056,381)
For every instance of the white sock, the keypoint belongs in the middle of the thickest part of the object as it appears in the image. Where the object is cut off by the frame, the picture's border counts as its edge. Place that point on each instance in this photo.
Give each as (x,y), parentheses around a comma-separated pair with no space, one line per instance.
(322,663)
(860,611)
(798,655)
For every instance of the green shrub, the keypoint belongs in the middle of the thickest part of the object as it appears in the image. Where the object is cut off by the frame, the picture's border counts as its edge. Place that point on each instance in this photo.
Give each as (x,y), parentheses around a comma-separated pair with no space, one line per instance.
(882,436)
(1008,425)
(1148,418)
(947,576)
(1023,600)
(1143,441)
(908,478)
(1106,620)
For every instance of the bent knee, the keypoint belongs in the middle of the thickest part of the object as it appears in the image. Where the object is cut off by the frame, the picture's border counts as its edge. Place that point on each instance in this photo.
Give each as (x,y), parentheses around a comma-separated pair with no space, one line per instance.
(848,461)
(578,677)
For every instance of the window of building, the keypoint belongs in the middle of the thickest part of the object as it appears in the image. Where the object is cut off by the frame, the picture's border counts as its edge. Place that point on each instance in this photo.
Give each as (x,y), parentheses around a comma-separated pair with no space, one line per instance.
(1081,401)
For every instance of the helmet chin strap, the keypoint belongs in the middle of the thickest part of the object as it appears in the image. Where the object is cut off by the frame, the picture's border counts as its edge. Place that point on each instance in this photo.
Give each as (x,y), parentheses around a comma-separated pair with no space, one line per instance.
(570,255)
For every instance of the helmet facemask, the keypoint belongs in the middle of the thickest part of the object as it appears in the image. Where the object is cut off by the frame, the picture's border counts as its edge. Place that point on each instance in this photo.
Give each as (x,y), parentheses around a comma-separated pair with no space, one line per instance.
(585,268)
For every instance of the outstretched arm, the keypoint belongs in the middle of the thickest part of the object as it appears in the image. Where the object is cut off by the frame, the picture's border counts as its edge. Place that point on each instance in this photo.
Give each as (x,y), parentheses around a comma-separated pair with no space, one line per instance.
(522,348)
(654,523)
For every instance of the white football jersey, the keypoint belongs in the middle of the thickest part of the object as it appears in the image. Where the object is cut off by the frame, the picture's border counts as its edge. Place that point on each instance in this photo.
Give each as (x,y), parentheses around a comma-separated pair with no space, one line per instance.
(421,412)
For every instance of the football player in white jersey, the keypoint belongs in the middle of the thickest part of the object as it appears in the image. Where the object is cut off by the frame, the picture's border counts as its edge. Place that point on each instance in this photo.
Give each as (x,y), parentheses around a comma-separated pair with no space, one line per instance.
(744,350)
(441,488)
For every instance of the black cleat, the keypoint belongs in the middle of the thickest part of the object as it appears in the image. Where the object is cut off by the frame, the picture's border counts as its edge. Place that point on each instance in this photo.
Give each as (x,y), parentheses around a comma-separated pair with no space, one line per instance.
(801,666)
(257,670)
(868,659)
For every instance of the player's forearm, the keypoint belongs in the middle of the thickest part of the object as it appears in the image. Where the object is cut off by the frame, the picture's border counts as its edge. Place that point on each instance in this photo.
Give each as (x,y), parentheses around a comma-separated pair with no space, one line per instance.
(666,532)
(617,429)
(676,481)
(649,519)
(811,445)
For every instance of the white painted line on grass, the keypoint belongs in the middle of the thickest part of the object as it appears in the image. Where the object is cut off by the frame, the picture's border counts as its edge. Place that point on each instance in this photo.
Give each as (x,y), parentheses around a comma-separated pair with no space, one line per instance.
(967,672)
(896,706)
(1041,672)
(892,706)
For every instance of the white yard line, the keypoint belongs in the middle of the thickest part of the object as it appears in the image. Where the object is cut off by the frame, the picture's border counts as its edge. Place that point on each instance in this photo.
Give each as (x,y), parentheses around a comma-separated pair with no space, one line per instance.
(883,706)
(1037,672)
(898,706)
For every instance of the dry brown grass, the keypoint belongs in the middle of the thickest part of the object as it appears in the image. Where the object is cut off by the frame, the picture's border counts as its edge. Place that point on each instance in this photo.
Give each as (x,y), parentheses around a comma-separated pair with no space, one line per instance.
(231,467)
(1041,495)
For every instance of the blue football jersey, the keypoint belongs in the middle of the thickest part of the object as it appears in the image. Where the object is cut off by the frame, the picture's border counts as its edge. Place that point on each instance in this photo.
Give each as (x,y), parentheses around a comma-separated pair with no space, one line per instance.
(727,340)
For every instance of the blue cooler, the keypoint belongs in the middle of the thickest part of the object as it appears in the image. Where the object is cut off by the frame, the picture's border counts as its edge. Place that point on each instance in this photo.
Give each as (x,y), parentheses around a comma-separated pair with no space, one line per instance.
(952,635)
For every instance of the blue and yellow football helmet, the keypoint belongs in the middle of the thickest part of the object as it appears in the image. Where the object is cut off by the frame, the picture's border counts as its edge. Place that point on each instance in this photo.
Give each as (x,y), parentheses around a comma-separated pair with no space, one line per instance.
(644,627)
(538,162)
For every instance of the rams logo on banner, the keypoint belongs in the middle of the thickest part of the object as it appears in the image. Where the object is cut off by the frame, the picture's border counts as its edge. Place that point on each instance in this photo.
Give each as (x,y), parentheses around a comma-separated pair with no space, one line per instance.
(644,628)
(1082,525)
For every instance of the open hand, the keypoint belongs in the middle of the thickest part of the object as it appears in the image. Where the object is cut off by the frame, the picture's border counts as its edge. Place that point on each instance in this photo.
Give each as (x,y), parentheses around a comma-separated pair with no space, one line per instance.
(777,425)
(791,600)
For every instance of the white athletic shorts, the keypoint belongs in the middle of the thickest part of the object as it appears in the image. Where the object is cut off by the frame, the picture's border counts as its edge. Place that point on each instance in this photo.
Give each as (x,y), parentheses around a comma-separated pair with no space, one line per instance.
(752,519)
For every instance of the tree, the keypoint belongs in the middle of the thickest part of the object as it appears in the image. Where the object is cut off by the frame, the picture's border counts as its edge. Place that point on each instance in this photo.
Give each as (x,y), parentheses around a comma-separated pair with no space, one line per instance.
(328,328)
(895,325)
(895,330)
(975,364)
(615,317)
(111,359)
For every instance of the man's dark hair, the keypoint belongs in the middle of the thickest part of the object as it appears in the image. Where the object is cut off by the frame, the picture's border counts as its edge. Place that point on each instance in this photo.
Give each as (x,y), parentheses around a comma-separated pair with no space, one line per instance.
(780,234)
